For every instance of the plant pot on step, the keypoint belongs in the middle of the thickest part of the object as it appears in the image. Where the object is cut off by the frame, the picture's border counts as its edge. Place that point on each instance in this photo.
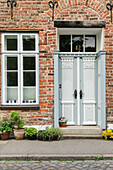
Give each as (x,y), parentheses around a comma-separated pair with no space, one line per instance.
(62,124)
(19,134)
(5,135)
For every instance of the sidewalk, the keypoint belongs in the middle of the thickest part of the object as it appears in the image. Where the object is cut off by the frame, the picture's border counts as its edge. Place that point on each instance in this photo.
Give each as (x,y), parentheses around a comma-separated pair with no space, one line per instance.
(67,149)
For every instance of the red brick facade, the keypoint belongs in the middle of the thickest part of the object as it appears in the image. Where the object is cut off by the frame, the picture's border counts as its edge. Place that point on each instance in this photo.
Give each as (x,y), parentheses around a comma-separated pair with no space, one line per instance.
(36,16)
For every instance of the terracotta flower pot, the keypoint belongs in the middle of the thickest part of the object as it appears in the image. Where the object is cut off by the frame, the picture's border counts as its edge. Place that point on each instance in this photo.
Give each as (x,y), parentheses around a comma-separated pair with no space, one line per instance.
(5,136)
(19,134)
(62,124)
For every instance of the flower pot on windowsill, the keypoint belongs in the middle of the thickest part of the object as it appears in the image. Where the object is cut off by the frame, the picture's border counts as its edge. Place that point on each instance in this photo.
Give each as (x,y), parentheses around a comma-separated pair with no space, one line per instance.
(63,124)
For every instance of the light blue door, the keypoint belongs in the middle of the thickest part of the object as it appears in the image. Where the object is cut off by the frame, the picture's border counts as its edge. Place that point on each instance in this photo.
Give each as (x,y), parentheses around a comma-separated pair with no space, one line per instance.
(77,89)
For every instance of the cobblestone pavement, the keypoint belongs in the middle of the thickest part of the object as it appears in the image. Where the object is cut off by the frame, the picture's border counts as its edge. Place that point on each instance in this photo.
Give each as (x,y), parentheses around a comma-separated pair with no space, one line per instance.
(58,165)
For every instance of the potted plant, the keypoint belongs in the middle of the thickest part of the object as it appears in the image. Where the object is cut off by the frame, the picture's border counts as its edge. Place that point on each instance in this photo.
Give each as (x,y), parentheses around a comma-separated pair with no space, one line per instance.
(6,126)
(62,122)
(18,124)
(50,134)
(107,134)
(31,133)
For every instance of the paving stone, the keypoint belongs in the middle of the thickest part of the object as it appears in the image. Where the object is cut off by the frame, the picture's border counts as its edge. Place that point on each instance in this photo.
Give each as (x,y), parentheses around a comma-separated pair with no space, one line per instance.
(56,165)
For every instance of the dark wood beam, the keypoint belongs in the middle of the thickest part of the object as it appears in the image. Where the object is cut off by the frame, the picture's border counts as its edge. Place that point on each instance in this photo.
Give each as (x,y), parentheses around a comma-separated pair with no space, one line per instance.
(79,24)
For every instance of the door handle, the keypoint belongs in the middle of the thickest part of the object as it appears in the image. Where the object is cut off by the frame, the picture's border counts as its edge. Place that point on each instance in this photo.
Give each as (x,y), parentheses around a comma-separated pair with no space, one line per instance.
(81,94)
(75,94)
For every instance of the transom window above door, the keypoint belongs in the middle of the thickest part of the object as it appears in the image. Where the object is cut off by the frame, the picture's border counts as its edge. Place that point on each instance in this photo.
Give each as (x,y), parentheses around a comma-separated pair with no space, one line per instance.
(77,43)
(20,68)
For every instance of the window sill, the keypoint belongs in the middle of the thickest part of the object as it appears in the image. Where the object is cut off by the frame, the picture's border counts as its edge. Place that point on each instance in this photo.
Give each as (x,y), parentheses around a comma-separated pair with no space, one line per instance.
(20,107)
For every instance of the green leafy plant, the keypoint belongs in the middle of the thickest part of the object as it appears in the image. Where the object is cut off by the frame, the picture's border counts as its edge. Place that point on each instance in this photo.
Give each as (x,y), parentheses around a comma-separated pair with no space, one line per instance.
(30,131)
(50,134)
(6,125)
(16,117)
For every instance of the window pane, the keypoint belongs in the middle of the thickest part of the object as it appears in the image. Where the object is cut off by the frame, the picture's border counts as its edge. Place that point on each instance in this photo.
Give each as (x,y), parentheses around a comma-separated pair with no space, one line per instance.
(29,43)
(12,94)
(12,79)
(29,95)
(28,63)
(12,63)
(90,43)
(77,43)
(65,43)
(11,43)
(29,79)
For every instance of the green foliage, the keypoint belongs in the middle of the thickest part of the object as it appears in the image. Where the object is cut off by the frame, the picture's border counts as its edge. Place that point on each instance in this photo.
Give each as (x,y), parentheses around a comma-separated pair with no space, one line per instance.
(97,158)
(30,131)
(15,116)
(6,125)
(50,134)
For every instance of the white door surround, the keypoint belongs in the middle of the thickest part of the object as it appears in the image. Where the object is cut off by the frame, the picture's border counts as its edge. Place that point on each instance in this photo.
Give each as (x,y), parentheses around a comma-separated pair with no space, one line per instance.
(93,69)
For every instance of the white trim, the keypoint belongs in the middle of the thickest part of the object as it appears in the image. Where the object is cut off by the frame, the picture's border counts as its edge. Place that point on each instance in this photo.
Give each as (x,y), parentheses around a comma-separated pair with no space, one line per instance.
(36,42)
(78,90)
(82,31)
(19,55)
(3,40)
(89,123)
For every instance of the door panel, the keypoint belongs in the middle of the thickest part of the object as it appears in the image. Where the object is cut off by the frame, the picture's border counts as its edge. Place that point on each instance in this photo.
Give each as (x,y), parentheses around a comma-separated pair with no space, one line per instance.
(77,75)
(67,89)
(89,90)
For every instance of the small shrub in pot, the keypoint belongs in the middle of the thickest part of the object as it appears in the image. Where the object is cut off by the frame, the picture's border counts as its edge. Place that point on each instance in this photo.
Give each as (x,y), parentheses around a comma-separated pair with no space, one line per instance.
(50,134)
(31,133)
(18,124)
(6,126)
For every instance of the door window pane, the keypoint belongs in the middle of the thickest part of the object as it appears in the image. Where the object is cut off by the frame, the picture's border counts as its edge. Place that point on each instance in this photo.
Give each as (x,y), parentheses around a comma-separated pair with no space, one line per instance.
(90,43)
(12,79)
(12,63)
(77,43)
(29,43)
(65,43)
(29,63)
(11,43)
(29,79)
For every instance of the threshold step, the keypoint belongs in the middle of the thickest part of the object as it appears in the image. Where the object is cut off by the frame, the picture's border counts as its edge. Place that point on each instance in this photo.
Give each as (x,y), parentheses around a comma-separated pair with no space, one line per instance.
(82,137)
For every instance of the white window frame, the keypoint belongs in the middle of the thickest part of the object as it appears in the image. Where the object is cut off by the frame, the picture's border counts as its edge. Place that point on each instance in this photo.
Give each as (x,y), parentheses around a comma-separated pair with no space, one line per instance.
(20,55)
(99,32)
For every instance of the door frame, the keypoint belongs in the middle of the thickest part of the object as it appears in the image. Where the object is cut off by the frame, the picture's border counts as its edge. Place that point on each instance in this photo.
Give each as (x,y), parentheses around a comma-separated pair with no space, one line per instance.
(56,86)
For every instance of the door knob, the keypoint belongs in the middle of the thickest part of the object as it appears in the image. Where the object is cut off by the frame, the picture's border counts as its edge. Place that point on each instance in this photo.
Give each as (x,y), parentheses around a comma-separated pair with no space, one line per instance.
(75,94)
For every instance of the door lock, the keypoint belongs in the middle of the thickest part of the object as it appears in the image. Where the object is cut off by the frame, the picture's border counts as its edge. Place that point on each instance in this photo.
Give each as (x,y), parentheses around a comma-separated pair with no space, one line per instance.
(75,94)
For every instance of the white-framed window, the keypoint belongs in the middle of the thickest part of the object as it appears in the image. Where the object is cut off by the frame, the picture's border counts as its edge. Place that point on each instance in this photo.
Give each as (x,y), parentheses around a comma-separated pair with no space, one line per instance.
(20,69)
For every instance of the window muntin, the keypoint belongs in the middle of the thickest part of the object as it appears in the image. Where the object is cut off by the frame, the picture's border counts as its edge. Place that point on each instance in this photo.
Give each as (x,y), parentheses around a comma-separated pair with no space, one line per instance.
(20,74)
(77,43)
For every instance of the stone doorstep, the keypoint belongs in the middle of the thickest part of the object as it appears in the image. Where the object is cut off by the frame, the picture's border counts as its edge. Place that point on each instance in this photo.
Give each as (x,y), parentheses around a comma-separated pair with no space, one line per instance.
(82,131)
(82,137)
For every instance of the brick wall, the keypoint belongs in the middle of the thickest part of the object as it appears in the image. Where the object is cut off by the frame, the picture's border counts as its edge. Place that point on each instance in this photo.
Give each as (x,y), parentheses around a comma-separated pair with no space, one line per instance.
(34,15)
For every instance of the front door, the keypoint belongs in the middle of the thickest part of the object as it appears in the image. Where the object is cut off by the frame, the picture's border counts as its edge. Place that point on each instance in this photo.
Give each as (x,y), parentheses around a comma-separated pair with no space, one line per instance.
(77,89)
